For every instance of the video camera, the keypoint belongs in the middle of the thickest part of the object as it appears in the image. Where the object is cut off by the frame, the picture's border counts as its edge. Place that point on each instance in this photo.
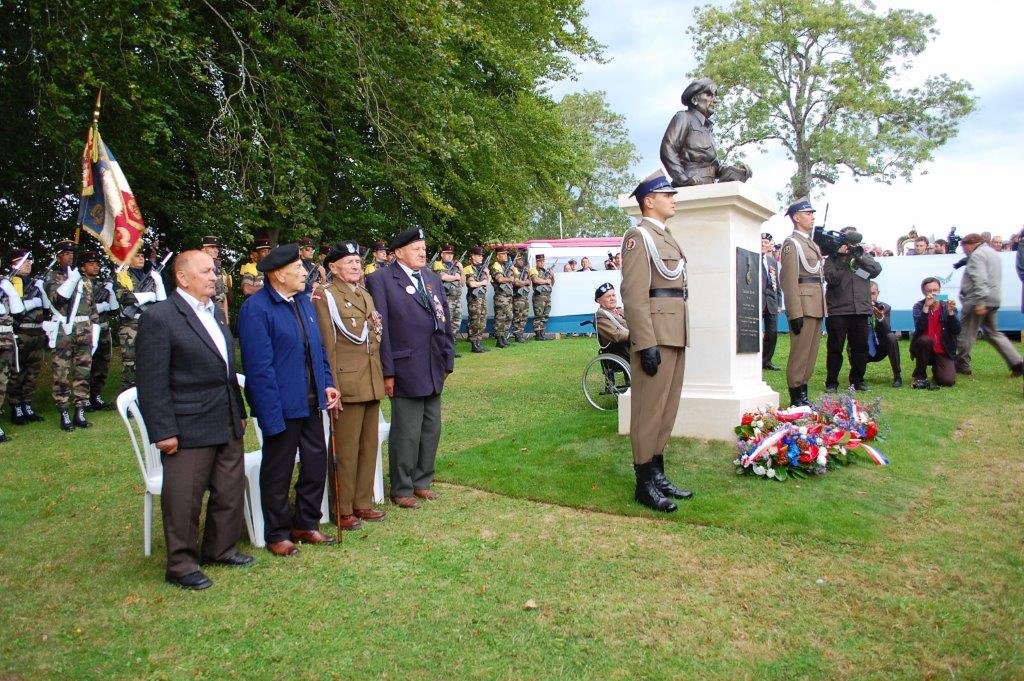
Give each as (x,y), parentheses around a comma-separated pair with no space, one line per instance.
(954,240)
(830,241)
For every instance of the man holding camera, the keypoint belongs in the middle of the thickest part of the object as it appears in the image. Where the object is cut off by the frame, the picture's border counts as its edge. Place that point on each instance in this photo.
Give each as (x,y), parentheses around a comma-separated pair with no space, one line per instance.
(803,291)
(848,273)
(882,340)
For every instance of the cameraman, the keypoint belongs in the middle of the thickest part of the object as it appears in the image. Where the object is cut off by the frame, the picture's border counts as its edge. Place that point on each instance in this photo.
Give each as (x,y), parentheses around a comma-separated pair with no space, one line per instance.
(848,272)
(882,341)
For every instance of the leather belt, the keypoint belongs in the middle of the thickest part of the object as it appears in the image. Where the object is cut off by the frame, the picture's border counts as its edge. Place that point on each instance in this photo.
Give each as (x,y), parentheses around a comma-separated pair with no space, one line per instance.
(683,293)
(809,280)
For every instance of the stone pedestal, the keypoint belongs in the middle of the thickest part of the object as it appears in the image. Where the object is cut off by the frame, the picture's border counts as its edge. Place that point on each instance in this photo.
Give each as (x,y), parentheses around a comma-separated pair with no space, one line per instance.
(719,385)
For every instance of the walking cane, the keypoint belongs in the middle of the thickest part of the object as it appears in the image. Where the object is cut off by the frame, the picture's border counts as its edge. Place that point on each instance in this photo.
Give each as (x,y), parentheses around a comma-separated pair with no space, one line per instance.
(333,472)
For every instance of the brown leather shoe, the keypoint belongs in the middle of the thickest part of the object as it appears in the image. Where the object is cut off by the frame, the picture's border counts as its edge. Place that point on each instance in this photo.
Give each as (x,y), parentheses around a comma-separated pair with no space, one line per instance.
(426,494)
(312,537)
(405,502)
(371,514)
(283,548)
(348,522)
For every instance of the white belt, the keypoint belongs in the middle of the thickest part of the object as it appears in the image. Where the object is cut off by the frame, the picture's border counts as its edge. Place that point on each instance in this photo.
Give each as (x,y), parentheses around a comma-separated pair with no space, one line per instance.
(83,318)
(30,326)
(6,329)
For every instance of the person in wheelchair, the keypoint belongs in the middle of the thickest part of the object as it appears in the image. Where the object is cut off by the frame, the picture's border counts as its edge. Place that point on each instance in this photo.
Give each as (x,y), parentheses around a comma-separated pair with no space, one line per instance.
(612,332)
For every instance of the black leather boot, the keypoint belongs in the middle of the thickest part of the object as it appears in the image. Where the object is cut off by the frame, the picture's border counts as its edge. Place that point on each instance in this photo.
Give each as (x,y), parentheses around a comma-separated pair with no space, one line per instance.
(30,414)
(519,338)
(665,485)
(502,342)
(647,492)
(65,421)
(18,417)
(3,436)
(804,400)
(80,421)
(97,403)
(476,346)
(795,396)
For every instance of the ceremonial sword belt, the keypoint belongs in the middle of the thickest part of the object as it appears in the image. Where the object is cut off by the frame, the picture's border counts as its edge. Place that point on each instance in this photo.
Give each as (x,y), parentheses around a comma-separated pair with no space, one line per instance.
(809,280)
(683,293)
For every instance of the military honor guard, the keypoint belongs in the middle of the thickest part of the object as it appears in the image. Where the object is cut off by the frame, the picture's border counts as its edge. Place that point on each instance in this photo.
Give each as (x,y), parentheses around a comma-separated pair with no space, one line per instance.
(252,277)
(72,300)
(654,293)
(106,305)
(222,294)
(10,305)
(380,258)
(543,281)
(417,353)
(453,279)
(28,327)
(288,382)
(803,287)
(769,301)
(351,328)
(476,277)
(503,275)
(139,285)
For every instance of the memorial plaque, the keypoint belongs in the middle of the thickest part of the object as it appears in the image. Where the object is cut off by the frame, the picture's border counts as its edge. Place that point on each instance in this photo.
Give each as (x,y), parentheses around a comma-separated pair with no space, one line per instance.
(748,301)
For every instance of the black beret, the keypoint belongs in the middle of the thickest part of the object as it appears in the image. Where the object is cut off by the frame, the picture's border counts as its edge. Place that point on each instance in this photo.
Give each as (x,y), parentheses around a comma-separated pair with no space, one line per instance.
(211,241)
(767,235)
(341,250)
(88,256)
(278,258)
(407,237)
(603,289)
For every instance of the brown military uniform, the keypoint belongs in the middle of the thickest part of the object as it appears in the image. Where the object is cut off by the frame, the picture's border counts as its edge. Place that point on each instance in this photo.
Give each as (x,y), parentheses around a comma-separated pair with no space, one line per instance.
(659,320)
(804,295)
(359,378)
(612,329)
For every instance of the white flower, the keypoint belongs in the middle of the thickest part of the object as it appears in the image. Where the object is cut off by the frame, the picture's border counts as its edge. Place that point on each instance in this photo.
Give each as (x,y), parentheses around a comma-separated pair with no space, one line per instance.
(822,458)
(758,469)
(774,449)
(842,450)
(759,424)
(770,473)
(757,431)
(803,430)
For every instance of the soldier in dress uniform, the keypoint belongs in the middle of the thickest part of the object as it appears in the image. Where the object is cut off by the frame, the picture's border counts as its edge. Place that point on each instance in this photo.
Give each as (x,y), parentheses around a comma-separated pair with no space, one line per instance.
(252,277)
(138,286)
(222,290)
(10,305)
(351,331)
(654,293)
(106,302)
(28,326)
(520,298)
(543,280)
(476,298)
(453,279)
(380,258)
(804,293)
(503,274)
(71,297)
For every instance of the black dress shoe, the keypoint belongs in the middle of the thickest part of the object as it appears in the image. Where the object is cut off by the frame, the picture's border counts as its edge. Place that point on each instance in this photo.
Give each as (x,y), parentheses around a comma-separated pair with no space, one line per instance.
(196,581)
(239,559)
(768,366)
(861,387)
(829,388)
(897,382)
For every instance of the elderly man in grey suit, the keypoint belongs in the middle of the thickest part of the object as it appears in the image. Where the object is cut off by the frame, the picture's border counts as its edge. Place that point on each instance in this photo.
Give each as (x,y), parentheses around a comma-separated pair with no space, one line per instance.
(981,294)
(194,413)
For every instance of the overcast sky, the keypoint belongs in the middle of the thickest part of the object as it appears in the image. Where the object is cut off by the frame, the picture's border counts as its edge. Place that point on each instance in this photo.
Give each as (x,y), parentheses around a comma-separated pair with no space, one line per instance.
(972,183)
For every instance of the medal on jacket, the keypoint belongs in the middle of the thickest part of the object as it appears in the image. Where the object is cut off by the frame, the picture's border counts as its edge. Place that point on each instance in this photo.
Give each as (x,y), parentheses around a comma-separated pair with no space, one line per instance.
(410,289)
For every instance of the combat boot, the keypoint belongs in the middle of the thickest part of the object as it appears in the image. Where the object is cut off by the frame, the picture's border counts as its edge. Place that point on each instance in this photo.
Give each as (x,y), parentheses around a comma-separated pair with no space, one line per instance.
(665,485)
(3,436)
(646,492)
(80,421)
(476,346)
(795,398)
(97,403)
(519,338)
(65,421)
(18,417)
(804,400)
(30,414)
(502,342)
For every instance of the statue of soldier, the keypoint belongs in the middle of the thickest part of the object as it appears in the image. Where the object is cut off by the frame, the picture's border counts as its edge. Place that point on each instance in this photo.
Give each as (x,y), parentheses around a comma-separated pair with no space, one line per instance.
(71,297)
(688,146)
(222,289)
(503,274)
(106,302)
(28,326)
(138,286)
(543,280)
(520,298)
(475,276)
(453,280)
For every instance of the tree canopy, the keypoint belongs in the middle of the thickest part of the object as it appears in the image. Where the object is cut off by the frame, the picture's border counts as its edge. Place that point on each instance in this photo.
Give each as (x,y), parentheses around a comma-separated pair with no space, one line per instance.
(333,118)
(826,79)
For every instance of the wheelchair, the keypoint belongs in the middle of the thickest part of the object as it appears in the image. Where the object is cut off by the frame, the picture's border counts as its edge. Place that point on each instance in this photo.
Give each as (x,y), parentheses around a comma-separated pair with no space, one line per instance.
(606,377)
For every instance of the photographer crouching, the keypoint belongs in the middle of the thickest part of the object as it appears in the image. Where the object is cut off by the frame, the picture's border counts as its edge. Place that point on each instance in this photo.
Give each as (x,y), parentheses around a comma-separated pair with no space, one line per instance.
(848,274)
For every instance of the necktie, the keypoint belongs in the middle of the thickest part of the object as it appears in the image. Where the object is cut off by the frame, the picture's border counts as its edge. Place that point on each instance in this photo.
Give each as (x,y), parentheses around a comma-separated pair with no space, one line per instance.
(422,291)
(872,343)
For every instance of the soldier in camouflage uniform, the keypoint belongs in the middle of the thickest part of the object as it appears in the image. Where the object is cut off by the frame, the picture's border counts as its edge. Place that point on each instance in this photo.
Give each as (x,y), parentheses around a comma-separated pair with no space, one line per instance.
(137,287)
(28,326)
(106,302)
(10,305)
(222,290)
(520,299)
(503,274)
(452,278)
(71,296)
(543,280)
(252,278)
(475,275)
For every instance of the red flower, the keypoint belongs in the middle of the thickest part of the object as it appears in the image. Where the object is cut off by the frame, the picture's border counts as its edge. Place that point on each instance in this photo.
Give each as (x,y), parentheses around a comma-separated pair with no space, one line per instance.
(871,430)
(747,419)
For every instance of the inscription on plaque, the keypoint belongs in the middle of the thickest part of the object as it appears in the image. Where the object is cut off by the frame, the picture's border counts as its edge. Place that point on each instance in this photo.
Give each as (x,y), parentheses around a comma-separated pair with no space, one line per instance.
(748,301)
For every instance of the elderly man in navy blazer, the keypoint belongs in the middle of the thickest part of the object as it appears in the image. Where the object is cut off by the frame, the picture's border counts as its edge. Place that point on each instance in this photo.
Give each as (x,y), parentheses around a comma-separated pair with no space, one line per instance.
(194,414)
(417,353)
(288,382)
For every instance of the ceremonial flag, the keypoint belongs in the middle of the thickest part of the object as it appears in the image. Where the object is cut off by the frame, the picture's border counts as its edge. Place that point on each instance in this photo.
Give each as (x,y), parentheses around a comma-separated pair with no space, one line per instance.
(109,214)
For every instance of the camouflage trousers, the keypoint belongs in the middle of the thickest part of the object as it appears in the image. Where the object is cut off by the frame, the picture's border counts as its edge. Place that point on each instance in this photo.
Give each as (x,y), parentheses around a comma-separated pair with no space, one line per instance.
(477,326)
(455,312)
(126,336)
(502,315)
(520,311)
(31,355)
(101,362)
(541,310)
(6,362)
(72,362)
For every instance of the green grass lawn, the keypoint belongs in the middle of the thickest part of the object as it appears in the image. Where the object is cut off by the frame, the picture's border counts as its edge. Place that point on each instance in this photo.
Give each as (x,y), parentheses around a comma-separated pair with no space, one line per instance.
(909,571)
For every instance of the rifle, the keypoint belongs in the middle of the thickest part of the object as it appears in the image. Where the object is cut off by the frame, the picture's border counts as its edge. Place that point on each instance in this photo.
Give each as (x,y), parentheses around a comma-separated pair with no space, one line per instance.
(481,270)
(148,285)
(430,265)
(17,266)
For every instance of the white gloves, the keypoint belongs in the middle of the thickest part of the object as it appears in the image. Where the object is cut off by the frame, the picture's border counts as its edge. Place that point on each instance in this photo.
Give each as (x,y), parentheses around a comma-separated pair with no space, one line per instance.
(161,294)
(14,304)
(112,298)
(43,298)
(143,298)
(67,289)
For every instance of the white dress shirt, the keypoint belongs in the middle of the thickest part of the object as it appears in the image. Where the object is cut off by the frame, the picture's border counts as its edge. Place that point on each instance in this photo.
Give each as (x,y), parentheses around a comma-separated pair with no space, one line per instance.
(205,313)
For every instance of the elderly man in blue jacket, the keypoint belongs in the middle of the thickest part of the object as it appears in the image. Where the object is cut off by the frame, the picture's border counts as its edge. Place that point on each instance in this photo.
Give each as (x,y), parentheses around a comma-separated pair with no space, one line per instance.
(288,382)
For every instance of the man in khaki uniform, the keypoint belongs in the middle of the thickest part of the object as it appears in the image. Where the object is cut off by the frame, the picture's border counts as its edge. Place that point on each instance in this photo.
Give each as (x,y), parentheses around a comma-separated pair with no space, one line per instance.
(654,294)
(351,330)
(804,293)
